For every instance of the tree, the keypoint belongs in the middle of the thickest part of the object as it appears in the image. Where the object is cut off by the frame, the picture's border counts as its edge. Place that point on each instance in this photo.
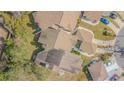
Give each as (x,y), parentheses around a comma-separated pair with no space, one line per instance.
(8,50)
(20,51)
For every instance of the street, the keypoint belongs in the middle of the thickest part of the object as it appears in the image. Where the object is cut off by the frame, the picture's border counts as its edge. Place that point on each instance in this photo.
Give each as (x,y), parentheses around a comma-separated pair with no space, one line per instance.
(120,44)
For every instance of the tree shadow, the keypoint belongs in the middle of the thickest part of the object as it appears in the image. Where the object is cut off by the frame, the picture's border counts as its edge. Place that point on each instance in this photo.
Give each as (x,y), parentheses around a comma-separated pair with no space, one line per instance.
(39,46)
(37,32)
(87,73)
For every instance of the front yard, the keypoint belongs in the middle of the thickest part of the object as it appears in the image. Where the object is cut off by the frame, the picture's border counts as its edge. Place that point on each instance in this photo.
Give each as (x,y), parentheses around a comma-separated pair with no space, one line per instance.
(98,30)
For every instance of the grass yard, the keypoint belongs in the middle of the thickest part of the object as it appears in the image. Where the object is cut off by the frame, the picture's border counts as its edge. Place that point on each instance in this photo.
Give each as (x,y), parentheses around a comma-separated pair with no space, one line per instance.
(98,30)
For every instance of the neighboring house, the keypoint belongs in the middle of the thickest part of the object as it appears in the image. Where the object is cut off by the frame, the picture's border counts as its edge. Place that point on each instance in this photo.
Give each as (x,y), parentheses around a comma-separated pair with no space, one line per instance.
(59,61)
(97,71)
(83,42)
(64,19)
(92,16)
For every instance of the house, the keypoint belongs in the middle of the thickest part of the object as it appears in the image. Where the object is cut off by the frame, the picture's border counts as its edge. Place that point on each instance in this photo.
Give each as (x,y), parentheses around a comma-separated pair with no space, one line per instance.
(57,27)
(97,71)
(92,16)
(59,61)
(83,41)
(64,19)
(55,38)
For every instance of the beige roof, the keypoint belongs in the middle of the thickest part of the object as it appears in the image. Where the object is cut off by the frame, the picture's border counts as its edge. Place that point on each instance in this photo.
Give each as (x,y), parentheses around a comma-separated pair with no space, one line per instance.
(63,41)
(71,63)
(56,38)
(46,19)
(98,71)
(87,44)
(68,20)
(95,15)
(48,38)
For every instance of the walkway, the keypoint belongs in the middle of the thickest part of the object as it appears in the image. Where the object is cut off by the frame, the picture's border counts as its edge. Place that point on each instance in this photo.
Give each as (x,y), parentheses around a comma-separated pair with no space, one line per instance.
(104,50)
(89,22)
(103,42)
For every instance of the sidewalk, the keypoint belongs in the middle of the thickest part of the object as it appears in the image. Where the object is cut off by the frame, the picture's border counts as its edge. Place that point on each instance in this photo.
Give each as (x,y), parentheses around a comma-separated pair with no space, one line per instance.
(104,50)
(103,42)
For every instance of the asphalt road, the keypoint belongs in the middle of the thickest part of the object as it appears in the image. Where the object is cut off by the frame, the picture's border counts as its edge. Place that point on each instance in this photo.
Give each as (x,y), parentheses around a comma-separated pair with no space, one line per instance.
(120,44)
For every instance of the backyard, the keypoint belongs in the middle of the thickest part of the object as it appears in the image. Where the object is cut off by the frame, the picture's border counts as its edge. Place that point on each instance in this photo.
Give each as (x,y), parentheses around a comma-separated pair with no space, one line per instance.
(20,50)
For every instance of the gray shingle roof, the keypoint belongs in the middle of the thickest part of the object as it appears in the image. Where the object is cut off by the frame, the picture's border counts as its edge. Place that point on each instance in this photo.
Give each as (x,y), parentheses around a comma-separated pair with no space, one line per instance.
(61,59)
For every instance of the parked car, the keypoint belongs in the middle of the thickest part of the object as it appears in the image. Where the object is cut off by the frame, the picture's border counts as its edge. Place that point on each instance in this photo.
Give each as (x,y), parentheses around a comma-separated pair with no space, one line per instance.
(113,15)
(104,20)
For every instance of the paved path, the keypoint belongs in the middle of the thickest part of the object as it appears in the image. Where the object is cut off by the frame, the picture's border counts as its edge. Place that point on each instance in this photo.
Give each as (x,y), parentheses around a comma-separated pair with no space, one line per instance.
(104,50)
(104,42)
(89,22)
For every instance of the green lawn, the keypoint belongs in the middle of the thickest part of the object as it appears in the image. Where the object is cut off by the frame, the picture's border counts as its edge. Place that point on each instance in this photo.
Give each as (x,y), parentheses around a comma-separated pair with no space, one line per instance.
(98,30)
